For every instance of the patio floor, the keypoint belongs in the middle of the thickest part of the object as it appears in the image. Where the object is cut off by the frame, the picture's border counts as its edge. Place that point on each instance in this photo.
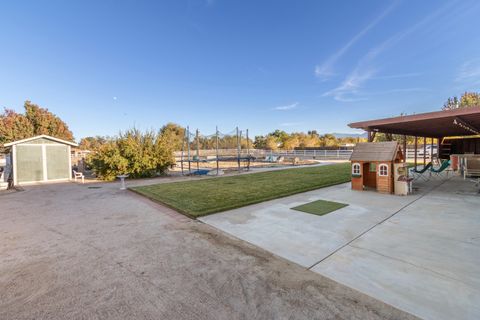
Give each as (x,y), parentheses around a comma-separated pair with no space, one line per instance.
(419,253)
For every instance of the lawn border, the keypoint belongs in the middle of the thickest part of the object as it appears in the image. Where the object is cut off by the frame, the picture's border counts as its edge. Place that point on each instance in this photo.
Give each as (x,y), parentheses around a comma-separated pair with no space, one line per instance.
(162,203)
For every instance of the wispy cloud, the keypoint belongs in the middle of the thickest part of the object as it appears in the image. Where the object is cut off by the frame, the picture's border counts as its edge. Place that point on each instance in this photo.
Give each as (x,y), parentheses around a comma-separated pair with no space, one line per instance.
(325,70)
(398,90)
(348,89)
(469,72)
(399,76)
(287,107)
(365,70)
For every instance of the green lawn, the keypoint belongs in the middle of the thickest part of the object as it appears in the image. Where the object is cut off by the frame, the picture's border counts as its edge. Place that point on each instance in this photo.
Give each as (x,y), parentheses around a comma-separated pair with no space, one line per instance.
(320,207)
(202,197)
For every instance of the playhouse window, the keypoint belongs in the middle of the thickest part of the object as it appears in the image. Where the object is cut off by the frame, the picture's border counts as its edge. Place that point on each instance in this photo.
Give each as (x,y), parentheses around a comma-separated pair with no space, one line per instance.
(383,170)
(356,168)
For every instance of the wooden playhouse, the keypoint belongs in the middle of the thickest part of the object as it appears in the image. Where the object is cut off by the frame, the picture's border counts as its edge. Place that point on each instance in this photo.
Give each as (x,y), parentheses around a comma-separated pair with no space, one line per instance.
(372,165)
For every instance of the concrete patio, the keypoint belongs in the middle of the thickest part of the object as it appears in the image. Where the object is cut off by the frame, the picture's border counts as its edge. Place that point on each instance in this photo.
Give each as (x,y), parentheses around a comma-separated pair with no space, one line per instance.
(419,253)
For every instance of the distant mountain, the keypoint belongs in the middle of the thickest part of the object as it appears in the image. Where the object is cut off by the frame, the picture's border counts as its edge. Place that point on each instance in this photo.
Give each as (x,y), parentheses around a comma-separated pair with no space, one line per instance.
(349,135)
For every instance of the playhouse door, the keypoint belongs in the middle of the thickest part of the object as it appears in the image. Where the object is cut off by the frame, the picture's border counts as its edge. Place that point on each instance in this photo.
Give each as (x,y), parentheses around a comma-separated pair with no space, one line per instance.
(370,175)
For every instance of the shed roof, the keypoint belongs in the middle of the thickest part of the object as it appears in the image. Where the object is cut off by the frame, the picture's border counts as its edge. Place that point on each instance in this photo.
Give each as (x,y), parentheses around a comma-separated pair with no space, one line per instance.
(43,136)
(375,151)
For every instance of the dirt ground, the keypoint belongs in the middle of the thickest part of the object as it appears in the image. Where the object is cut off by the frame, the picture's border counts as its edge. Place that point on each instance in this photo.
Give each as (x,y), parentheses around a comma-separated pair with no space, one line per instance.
(72,251)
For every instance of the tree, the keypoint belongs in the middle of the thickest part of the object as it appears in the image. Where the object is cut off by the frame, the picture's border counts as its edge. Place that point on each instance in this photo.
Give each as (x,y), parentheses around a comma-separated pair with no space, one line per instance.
(309,140)
(291,142)
(133,152)
(470,99)
(380,137)
(45,122)
(280,135)
(313,133)
(328,140)
(467,99)
(35,121)
(93,143)
(451,103)
(174,134)
(14,126)
(271,143)
(260,142)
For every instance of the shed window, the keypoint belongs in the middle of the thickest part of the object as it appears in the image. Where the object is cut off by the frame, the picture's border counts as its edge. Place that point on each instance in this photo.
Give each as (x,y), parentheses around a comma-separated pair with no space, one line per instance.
(383,170)
(373,167)
(356,168)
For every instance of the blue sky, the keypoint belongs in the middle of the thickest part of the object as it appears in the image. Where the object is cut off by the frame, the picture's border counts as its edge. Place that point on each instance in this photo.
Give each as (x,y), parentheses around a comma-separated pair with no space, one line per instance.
(104,66)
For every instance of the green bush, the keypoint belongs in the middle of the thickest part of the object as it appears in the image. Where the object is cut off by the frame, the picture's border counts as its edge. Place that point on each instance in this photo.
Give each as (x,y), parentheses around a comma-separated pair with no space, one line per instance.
(137,154)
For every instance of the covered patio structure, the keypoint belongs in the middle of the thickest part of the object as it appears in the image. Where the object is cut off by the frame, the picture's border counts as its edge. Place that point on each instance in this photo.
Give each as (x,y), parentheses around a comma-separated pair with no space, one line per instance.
(454,132)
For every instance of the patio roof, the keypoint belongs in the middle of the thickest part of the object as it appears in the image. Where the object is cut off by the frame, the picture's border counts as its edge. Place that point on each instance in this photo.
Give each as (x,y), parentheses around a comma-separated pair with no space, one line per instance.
(439,124)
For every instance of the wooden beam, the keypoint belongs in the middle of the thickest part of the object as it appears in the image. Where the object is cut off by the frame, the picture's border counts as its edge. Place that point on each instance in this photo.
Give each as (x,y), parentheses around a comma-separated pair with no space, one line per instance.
(404,148)
(466,125)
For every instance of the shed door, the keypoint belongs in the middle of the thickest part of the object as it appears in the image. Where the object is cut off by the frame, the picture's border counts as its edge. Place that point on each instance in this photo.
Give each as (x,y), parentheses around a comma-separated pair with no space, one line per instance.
(29,163)
(57,162)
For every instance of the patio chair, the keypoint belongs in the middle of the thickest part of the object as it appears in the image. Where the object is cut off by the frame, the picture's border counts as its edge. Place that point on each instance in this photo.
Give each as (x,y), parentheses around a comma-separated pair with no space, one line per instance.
(443,167)
(472,168)
(78,175)
(418,174)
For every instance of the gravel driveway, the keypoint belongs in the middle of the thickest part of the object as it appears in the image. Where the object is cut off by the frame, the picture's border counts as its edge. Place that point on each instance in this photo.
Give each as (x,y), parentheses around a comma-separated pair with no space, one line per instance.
(68,251)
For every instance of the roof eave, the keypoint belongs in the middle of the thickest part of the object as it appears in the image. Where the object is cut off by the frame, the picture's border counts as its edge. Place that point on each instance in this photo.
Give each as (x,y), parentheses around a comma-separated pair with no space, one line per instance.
(73,144)
(414,117)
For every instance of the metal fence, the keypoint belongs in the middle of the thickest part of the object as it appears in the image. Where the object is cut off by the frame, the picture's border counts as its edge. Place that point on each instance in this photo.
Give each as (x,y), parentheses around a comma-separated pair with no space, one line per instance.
(317,154)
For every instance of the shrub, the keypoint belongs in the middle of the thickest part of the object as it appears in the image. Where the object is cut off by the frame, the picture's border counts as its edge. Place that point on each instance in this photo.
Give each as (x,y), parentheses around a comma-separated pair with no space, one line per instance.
(137,154)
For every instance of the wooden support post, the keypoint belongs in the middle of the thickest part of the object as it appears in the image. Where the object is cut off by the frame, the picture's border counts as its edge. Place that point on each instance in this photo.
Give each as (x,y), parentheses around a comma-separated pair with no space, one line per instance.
(369,135)
(431,150)
(415,157)
(405,148)
(439,147)
(424,151)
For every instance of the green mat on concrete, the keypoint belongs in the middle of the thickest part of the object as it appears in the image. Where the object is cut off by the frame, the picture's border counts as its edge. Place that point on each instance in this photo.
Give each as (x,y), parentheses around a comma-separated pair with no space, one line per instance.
(320,207)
